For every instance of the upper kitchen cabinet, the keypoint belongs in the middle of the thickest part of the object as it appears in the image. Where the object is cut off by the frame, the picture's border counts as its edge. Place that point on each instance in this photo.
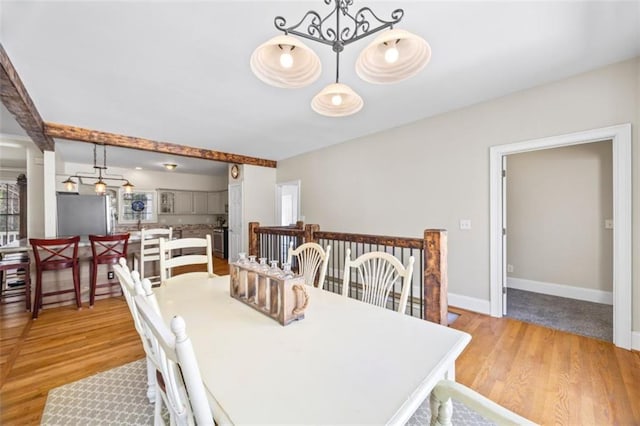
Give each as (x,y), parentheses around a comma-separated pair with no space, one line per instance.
(173,201)
(167,202)
(200,202)
(217,202)
(184,202)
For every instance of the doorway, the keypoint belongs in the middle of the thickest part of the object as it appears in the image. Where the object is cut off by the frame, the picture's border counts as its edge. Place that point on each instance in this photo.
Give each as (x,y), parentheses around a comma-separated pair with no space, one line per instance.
(288,203)
(559,207)
(622,169)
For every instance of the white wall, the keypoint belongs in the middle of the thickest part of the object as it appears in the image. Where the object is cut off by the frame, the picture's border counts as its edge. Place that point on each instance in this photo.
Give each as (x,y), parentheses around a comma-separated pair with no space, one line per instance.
(259,194)
(557,203)
(434,172)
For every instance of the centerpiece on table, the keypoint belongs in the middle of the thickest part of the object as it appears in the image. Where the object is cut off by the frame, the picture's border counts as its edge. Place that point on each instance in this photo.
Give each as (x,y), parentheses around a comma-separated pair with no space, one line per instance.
(278,294)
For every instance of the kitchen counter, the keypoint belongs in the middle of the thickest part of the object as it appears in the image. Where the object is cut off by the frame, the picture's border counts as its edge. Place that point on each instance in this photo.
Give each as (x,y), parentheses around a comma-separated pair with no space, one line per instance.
(179,227)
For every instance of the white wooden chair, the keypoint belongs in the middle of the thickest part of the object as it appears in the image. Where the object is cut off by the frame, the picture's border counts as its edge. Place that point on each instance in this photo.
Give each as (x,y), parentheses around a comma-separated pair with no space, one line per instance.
(378,272)
(150,251)
(181,388)
(128,282)
(168,262)
(311,260)
(441,407)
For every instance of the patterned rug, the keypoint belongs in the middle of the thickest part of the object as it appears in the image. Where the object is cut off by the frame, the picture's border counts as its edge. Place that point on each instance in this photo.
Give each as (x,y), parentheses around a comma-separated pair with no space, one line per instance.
(118,397)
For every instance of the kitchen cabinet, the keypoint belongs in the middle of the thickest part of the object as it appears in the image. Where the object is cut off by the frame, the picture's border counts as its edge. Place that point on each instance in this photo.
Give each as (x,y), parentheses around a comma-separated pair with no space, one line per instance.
(166,202)
(195,233)
(175,201)
(183,202)
(213,202)
(217,202)
(200,202)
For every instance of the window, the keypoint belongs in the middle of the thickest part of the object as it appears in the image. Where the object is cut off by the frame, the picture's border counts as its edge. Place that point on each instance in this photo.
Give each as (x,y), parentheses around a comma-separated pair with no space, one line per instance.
(9,213)
(137,206)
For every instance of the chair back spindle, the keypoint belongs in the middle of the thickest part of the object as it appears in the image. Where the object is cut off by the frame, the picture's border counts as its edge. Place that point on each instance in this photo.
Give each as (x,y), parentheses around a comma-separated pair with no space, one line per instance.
(377,274)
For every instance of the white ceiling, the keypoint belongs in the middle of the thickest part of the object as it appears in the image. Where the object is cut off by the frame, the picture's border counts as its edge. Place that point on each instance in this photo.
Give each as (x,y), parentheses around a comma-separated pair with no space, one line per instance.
(178,71)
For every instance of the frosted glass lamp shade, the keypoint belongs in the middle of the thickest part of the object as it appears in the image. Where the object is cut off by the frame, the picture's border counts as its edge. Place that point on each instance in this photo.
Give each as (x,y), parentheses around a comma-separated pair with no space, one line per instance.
(69,184)
(337,100)
(100,187)
(393,56)
(285,61)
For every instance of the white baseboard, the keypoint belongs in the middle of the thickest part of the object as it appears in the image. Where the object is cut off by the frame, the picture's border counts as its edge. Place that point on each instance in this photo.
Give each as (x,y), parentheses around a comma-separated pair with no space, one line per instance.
(469,303)
(589,295)
(635,340)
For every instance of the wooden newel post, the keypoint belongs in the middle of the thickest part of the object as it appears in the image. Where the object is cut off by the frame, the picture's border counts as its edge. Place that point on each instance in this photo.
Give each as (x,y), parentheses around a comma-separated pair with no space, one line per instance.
(435,276)
(309,233)
(300,224)
(254,249)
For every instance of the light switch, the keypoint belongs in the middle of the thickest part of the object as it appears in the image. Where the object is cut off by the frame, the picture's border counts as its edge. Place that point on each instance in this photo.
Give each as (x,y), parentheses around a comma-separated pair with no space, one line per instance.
(510,268)
(465,224)
(608,224)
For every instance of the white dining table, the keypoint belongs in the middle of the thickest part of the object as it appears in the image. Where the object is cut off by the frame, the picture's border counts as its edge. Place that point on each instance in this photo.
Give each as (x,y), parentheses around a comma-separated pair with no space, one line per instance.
(345,362)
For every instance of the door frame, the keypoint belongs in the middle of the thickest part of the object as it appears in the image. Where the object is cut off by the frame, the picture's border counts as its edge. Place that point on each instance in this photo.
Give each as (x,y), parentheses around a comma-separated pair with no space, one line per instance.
(278,195)
(622,238)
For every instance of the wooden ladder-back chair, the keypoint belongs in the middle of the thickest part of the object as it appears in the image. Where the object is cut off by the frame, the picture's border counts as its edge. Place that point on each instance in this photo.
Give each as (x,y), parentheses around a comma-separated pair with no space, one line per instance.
(312,262)
(168,262)
(378,272)
(105,250)
(55,254)
(180,385)
(150,251)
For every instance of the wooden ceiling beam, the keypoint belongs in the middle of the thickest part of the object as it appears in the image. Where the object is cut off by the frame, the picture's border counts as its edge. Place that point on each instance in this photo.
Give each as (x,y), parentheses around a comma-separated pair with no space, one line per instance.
(80,134)
(17,100)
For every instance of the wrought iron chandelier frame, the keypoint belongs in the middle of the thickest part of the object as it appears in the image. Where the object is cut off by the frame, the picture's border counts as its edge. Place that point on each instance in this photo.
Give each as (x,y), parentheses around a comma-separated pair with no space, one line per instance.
(360,25)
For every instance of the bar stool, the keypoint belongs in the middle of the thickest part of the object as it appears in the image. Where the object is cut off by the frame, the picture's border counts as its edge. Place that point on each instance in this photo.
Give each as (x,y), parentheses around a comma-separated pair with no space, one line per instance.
(106,250)
(15,277)
(54,254)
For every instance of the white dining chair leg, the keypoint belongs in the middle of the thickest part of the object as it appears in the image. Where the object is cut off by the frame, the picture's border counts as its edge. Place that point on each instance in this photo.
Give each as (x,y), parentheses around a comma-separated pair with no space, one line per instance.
(441,411)
(151,381)
(157,411)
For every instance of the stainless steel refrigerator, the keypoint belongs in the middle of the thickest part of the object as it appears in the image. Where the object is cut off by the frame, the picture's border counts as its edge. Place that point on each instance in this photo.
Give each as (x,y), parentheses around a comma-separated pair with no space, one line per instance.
(83,215)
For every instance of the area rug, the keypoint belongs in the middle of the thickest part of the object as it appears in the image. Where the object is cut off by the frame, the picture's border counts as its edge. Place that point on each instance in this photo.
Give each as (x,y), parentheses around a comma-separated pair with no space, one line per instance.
(114,397)
(560,313)
(118,397)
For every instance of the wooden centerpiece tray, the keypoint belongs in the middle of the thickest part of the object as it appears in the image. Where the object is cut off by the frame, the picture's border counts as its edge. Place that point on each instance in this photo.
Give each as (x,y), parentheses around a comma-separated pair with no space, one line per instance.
(283,298)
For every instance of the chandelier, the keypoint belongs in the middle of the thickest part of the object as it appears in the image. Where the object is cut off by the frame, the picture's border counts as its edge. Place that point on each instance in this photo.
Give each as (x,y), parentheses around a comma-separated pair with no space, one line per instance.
(394,55)
(100,185)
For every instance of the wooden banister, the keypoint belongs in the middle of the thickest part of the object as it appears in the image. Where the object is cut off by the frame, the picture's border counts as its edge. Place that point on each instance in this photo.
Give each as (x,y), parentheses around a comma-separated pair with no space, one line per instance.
(435,276)
(415,243)
(433,246)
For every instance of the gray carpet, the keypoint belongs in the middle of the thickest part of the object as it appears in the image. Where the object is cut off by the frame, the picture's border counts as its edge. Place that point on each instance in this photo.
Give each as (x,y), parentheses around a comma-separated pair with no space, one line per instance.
(574,316)
(118,397)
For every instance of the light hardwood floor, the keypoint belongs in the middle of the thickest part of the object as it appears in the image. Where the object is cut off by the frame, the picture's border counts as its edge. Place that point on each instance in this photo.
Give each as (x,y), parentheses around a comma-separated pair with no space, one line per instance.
(549,376)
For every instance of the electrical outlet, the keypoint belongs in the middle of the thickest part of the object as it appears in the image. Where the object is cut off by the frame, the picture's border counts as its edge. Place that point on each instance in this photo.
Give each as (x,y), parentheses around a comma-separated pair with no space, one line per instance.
(110,275)
(509,268)
(608,224)
(465,224)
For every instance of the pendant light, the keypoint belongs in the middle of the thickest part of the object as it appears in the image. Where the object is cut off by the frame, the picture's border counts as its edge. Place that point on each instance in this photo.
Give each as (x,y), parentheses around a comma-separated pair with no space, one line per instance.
(100,186)
(394,55)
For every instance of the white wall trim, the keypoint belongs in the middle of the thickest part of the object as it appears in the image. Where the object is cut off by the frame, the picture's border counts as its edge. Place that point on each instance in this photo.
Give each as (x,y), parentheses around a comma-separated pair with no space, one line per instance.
(562,290)
(635,341)
(469,303)
(622,175)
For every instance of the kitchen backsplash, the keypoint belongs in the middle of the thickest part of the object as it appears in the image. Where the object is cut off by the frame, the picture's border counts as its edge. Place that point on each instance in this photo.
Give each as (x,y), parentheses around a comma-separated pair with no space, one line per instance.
(178,222)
